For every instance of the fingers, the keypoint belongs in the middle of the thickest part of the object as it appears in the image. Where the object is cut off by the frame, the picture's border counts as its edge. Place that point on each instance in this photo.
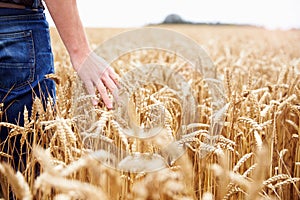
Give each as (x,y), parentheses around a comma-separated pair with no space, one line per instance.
(91,91)
(110,84)
(111,81)
(103,92)
(114,77)
(96,72)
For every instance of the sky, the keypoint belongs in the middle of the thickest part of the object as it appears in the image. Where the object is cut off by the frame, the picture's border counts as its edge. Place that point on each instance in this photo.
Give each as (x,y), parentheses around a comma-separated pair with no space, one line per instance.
(271,14)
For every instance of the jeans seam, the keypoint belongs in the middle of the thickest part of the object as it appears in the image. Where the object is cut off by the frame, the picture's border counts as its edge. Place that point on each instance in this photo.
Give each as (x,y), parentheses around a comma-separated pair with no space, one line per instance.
(32,65)
(23,17)
(32,69)
(16,35)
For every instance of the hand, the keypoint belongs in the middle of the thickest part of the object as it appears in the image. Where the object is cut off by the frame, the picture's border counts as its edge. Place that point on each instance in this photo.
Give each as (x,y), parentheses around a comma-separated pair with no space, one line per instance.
(96,72)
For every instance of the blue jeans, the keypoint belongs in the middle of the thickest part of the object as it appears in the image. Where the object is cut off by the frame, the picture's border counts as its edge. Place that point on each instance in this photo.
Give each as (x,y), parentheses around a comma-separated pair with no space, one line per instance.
(25,58)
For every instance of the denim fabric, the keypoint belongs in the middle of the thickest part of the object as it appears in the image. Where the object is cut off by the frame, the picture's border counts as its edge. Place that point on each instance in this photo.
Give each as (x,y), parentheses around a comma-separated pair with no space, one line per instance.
(32,4)
(25,59)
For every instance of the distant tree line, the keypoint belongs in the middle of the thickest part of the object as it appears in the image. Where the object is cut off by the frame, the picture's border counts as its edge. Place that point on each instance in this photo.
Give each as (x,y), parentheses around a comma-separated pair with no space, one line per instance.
(176,19)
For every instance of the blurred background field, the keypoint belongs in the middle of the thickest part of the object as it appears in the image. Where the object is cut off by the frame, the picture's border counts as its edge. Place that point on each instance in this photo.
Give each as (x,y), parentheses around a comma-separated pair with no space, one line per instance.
(257,155)
(255,47)
(237,47)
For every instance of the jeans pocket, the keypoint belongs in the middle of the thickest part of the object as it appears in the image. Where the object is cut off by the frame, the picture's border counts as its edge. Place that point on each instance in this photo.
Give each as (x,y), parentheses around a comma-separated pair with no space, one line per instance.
(17,59)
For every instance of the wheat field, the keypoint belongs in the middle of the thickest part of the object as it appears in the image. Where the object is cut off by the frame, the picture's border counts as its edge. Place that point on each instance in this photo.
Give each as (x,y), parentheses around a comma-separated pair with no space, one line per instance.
(256,154)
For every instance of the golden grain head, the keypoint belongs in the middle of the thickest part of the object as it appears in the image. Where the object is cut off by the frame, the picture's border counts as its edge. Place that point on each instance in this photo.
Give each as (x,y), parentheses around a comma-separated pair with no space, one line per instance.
(249,150)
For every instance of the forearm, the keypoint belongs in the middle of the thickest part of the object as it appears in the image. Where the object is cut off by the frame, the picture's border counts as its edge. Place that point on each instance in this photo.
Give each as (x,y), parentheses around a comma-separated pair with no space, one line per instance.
(67,21)
(92,69)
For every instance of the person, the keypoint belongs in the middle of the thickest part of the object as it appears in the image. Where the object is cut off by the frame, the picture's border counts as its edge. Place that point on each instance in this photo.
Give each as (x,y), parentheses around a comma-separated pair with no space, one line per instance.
(26,57)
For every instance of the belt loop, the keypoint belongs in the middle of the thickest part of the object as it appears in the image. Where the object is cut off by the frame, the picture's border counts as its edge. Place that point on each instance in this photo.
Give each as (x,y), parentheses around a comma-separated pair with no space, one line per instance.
(35,4)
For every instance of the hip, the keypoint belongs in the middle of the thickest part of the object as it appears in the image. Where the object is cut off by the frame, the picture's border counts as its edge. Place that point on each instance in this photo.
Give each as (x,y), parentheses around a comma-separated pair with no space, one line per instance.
(25,50)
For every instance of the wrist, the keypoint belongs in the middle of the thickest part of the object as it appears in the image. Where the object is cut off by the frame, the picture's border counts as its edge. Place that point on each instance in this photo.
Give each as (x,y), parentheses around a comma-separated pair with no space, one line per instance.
(78,57)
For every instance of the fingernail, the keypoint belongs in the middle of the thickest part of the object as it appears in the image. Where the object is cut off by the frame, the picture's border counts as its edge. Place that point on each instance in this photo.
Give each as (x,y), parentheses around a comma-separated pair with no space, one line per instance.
(95,102)
(109,106)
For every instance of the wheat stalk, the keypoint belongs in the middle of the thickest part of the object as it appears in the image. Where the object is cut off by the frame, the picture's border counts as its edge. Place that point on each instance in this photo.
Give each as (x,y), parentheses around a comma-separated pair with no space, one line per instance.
(17,182)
